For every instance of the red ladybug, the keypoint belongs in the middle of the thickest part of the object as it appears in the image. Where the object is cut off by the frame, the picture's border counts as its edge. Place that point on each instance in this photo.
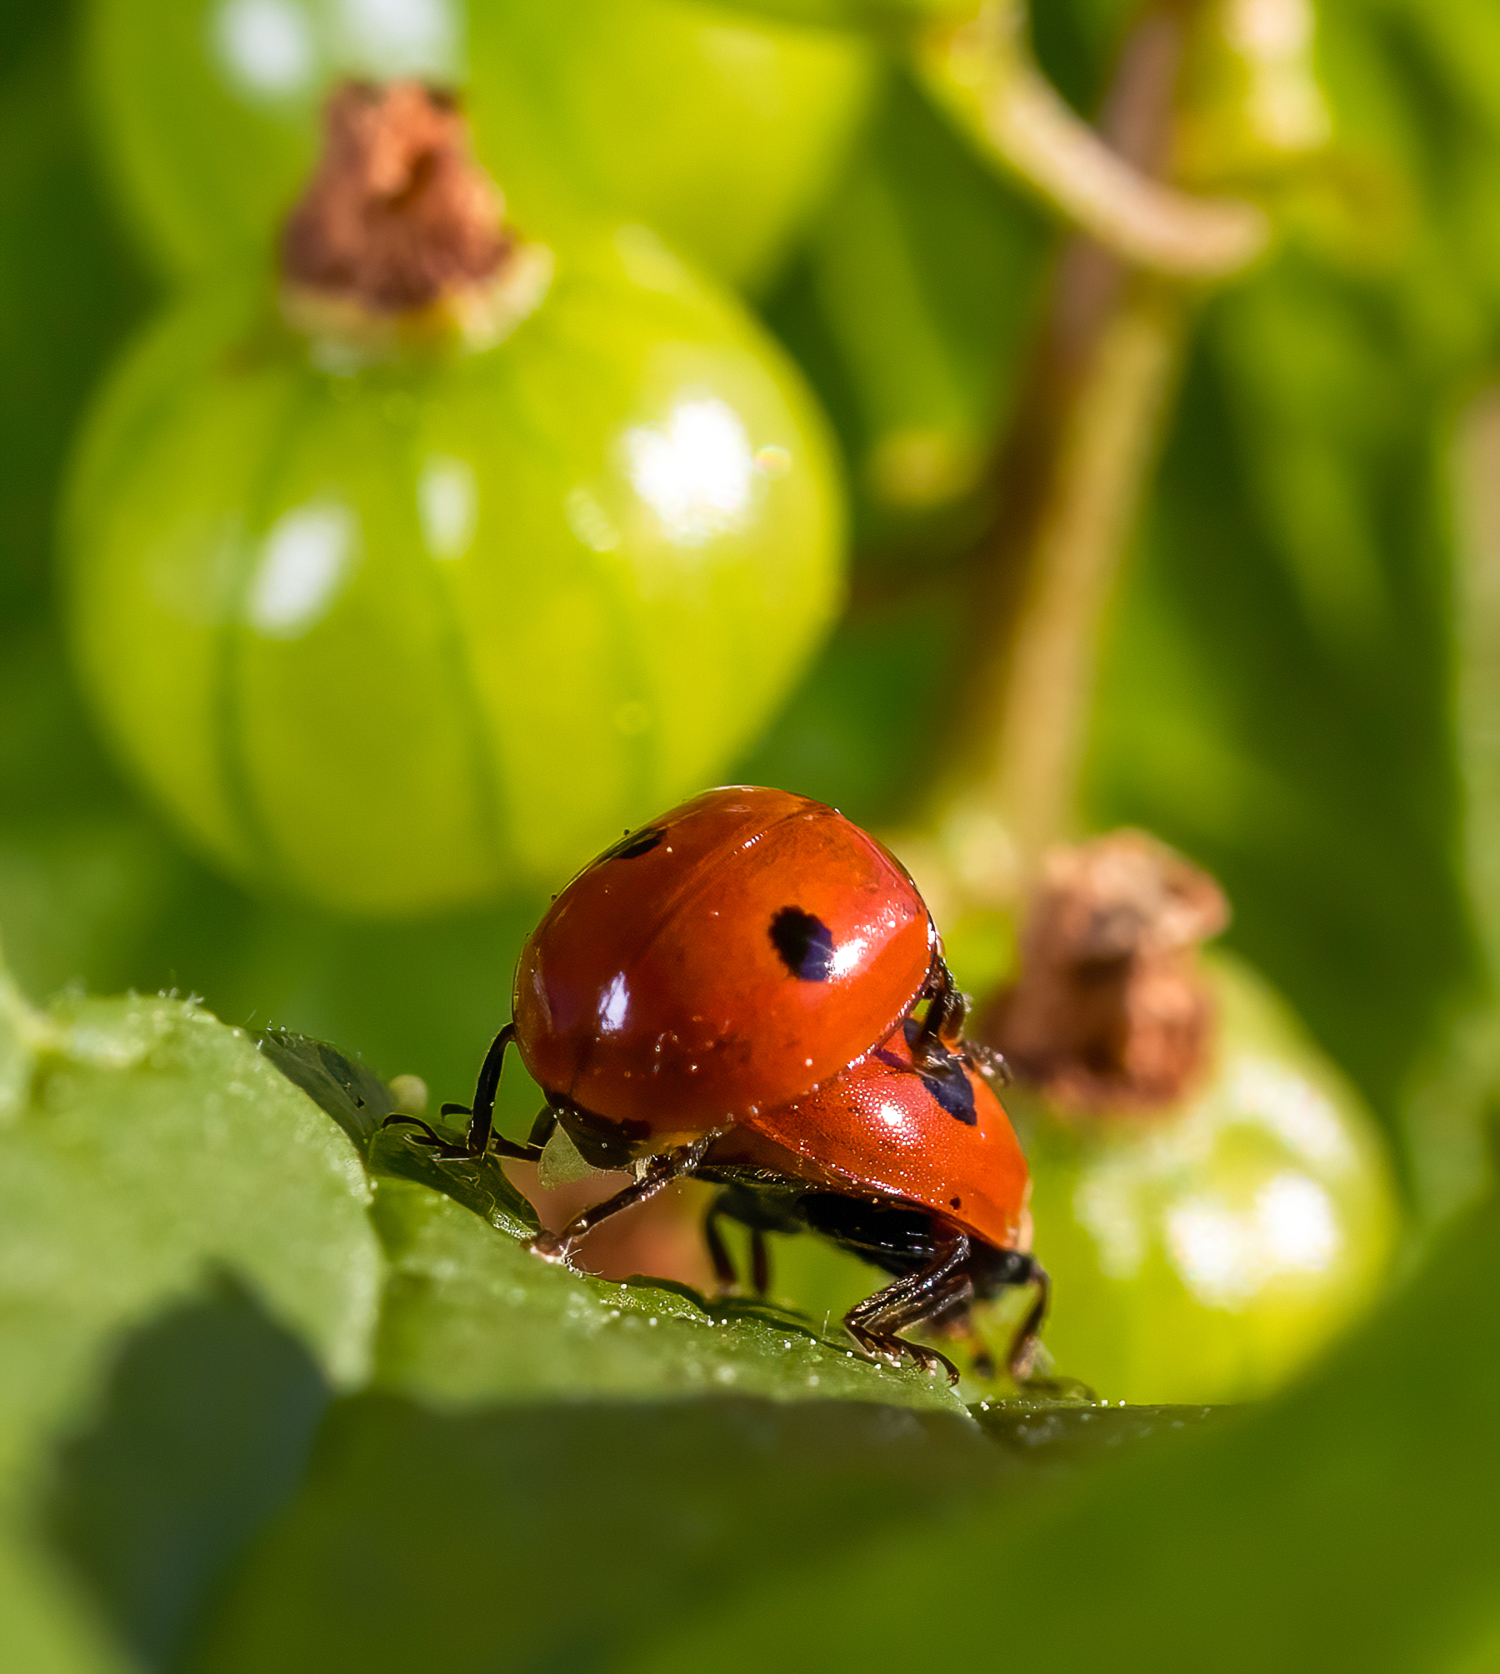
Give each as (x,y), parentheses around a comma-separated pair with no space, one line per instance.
(731,991)
(728,956)
(915,1168)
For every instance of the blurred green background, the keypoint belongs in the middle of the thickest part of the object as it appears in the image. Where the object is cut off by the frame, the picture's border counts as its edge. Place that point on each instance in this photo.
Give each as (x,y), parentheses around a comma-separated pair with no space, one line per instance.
(1294,685)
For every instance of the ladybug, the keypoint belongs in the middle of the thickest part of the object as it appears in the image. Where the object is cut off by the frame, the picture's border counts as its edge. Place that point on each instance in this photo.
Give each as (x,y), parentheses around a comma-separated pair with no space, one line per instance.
(751,990)
(913,1167)
(729,956)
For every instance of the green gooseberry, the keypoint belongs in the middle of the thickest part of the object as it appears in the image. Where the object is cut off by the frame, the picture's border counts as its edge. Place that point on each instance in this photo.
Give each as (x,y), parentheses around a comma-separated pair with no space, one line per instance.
(722,131)
(1207,1251)
(719,129)
(397,612)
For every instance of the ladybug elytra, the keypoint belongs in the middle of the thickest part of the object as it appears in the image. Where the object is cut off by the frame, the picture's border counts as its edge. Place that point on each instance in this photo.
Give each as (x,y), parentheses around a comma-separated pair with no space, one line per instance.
(750,990)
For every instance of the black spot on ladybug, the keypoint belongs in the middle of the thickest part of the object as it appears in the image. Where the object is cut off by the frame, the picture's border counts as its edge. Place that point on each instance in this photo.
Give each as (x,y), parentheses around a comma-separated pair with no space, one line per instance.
(632,848)
(955,1203)
(805,944)
(950,1087)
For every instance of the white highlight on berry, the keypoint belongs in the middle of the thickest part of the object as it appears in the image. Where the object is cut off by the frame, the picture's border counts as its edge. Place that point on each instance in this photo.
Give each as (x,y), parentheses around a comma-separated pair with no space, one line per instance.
(265,45)
(385,38)
(447,505)
(307,554)
(694,471)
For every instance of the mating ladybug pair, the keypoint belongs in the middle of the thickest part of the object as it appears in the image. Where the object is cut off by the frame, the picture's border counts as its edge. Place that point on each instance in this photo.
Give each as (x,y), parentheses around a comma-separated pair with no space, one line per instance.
(750,990)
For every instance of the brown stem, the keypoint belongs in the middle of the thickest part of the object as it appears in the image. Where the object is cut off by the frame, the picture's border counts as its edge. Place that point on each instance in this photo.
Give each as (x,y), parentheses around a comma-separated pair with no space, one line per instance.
(1477,467)
(1110,1011)
(397,214)
(400,231)
(1038,687)
(1071,476)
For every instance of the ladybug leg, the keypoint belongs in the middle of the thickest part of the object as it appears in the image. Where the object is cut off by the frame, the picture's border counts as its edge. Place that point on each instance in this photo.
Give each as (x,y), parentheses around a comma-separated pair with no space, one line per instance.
(760,1261)
(446,1151)
(1027,1340)
(942,1024)
(723,1207)
(482,1120)
(481,1140)
(913,1300)
(997,1269)
(718,1251)
(429,1136)
(884,1345)
(653,1174)
(542,1128)
(992,1065)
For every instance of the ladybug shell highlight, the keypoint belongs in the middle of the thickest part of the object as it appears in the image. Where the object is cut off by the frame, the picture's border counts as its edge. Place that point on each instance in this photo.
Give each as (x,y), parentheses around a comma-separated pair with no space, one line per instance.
(724,958)
(882,1129)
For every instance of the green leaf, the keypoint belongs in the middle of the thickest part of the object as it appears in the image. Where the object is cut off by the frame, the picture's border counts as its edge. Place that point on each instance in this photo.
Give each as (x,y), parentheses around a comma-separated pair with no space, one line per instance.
(556,1537)
(1059,1436)
(565,1536)
(356,1098)
(187,1271)
(1349,1525)
(41,1627)
(359,1102)
(468,1316)
(154,1146)
(200,1433)
(473,1317)
(147,1152)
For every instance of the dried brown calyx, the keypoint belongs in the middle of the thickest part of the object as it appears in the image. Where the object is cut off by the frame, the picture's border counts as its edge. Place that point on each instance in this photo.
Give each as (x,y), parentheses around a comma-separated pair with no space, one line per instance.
(400,227)
(1110,1011)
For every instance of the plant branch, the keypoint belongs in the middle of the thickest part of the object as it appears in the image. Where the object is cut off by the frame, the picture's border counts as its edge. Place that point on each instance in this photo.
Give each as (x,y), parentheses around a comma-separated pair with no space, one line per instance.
(981,72)
(1104,456)
(1071,476)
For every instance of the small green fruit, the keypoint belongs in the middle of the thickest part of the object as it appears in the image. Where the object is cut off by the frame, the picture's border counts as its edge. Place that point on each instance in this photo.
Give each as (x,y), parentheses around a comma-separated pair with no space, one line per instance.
(393,610)
(719,129)
(1210,1197)
(1206,1251)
